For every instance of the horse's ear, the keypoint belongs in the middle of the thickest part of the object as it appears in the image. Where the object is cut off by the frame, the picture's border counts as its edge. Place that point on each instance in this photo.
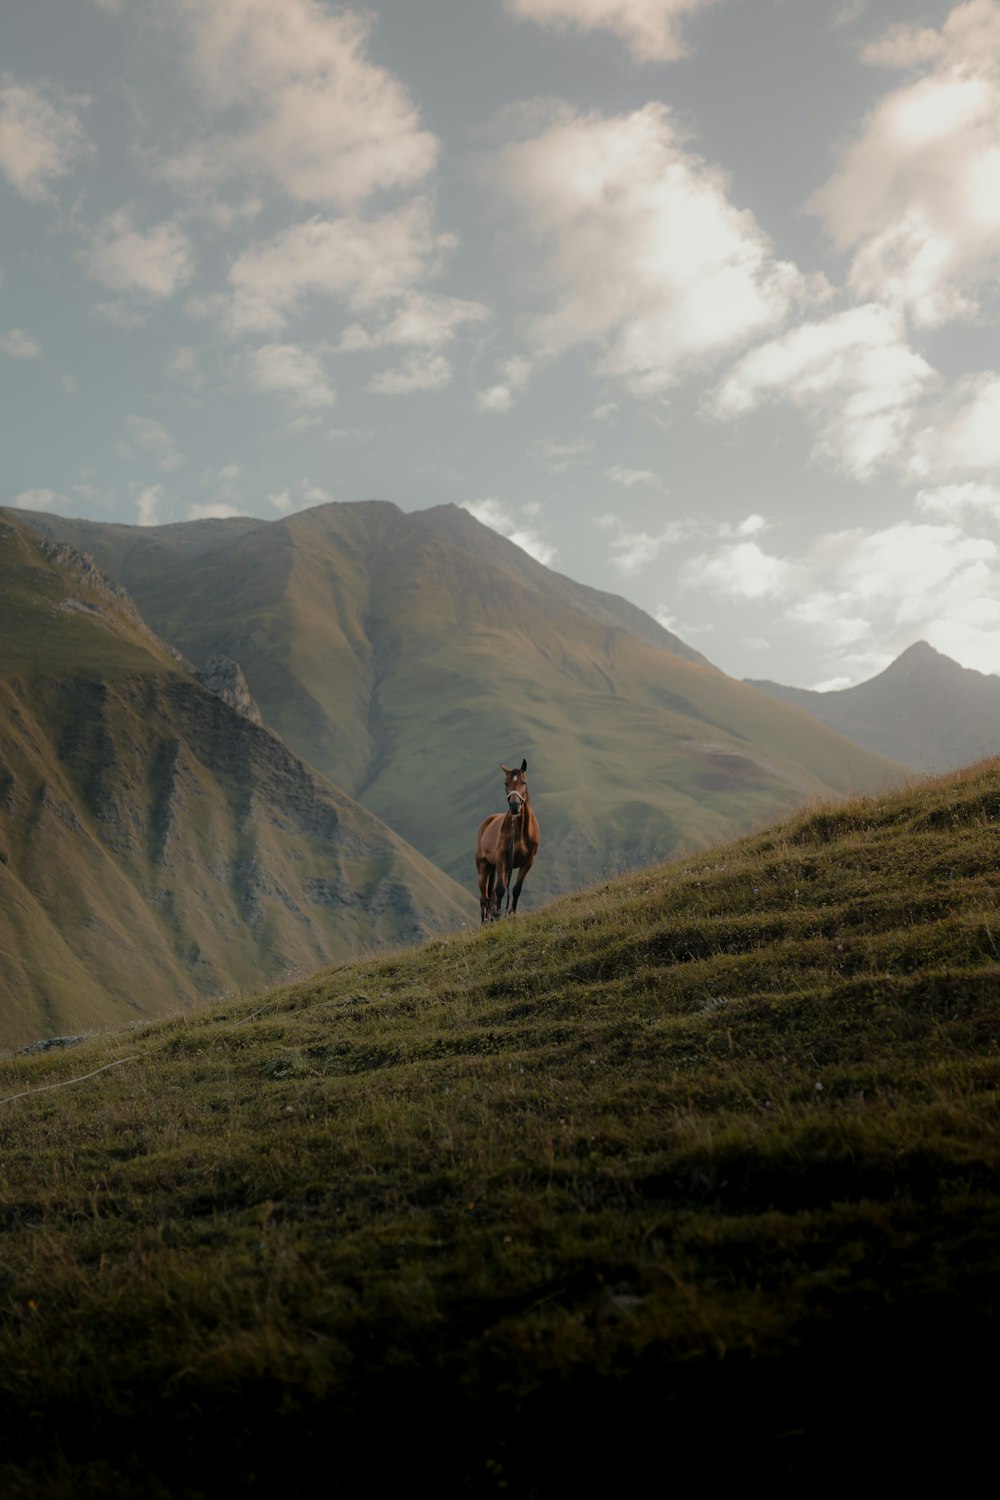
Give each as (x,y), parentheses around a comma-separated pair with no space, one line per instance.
(524,766)
(504,769)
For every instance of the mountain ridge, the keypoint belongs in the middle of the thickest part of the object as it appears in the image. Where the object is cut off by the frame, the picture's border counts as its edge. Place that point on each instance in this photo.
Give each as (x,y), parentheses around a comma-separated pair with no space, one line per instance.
(924,710)
(405,654)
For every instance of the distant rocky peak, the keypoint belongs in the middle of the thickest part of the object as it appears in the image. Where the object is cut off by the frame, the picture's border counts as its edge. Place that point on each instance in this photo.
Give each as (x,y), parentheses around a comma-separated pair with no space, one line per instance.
(104,599)
(223,676)
(83,567)
(922,662)
(920,651)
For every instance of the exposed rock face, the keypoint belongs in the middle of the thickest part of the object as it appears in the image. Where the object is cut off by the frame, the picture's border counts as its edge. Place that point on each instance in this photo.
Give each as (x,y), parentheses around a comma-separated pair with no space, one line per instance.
(222,675)
(104,600)
(156,845)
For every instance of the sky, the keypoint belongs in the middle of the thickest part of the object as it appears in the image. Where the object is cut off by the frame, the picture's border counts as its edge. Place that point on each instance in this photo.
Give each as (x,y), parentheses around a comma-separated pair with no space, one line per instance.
(695,300)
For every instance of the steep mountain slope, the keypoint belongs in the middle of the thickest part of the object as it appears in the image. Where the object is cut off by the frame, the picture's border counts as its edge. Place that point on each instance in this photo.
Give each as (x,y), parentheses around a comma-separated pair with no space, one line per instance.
(405,655)
(924,710)
(700,1168)
(156,845)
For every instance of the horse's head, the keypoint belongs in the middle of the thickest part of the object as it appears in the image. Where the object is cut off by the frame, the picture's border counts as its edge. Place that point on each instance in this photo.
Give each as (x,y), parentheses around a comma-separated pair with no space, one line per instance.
(515,787)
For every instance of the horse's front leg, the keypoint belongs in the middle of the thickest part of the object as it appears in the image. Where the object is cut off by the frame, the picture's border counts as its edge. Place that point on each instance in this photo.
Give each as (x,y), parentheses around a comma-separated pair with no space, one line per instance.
(485,876)
(520,881)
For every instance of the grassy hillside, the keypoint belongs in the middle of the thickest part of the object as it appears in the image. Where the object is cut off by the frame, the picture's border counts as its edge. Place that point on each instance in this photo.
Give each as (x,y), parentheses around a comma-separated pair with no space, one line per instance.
(692,1175)
(155,846)
(406,655)
(924,710)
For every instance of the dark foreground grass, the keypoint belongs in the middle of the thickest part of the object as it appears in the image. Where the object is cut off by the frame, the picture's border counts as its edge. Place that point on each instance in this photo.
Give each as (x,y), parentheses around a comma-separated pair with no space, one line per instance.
(692,1178)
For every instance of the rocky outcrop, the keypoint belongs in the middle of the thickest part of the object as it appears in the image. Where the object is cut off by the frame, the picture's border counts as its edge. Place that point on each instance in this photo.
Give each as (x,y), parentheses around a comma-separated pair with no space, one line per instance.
(223,676)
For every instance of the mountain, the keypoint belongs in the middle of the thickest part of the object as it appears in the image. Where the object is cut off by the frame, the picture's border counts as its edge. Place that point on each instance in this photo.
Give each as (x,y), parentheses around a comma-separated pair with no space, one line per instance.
(697,1171)
(924,710)
(406,654)
(156,845)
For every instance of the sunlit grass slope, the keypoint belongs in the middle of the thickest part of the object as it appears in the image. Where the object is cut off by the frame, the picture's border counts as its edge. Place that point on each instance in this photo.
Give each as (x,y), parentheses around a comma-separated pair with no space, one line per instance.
(693,1175)
(406,655)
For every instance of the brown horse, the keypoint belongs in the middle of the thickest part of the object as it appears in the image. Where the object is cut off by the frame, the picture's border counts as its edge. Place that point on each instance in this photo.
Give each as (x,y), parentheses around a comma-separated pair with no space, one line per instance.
(506,842)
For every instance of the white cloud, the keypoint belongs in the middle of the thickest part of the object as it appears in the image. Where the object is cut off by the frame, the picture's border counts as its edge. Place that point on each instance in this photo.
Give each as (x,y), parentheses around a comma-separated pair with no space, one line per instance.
(752,525)
(208,510)
(509,523)
(631,240)
(362,262)
(631,477)
(154,262)
(916,199)
(422,320)
(964,436)
(304,106)
(148,506)
(309,493)
(853,373)
(514,376)
(738,570)
(851,11)
(904,46)
(495,398)
(862,596)
(295,373)
(38,499)
(632,551)
(649,27)
(665,617)
(185,365)
(957,502)
(970,31)
(831,613)
(121,313)
(18,344)
(152,438)
(41,137)
(557,456)
(226,497)
(418,372)
(101,500)
(906,564)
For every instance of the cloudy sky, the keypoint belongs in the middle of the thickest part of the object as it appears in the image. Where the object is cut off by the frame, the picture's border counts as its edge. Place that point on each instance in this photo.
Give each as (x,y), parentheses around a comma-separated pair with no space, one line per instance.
(697,300)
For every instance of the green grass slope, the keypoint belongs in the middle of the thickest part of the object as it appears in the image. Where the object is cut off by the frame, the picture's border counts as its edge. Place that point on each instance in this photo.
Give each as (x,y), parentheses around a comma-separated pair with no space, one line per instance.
(694,1175)
(406,655)
(156,846)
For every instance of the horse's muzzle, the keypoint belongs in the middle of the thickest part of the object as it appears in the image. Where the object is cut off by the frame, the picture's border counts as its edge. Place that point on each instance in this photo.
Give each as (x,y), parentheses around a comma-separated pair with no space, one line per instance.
(515,805)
